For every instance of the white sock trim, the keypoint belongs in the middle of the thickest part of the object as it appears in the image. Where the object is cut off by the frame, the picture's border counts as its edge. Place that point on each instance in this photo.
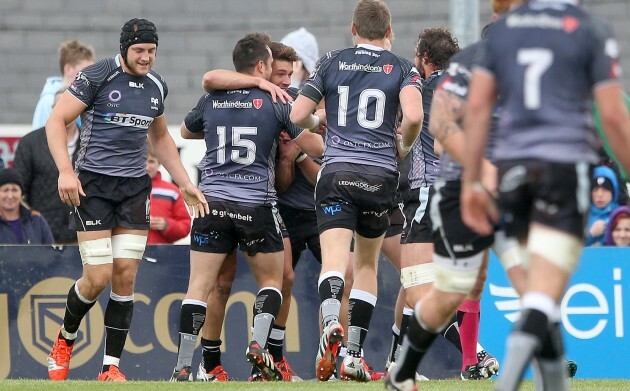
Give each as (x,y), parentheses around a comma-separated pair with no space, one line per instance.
(543,303)
(273,289)
(67,335)
(83,299)
(277,334)
(364,296)
(407,311)
(329,274)
(396,330)
(120,298)
(195,302)
(110,360)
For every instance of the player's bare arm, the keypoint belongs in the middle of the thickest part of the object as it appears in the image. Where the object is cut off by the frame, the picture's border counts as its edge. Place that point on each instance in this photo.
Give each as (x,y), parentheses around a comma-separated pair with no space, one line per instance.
(478,208)
(447,112)
(411,124)
(288,151)
(616,120)
(188,135)
(167,154)
(66,110)
(302,114)
(311,143)
(481,100)
(437,147)
(224,79)
(310,168)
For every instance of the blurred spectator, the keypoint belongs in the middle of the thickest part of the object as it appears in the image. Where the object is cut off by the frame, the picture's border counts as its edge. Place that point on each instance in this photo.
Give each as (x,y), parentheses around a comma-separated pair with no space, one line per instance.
(18,224)
(305,44)
(604,194)
(618,228)
(170,220)
(73,56)
(39,172)
(1,164)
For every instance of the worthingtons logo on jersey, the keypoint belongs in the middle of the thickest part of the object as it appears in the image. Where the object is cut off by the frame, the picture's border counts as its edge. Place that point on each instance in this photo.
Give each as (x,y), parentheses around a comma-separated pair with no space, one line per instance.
(567,23)
(122,119)
(354,67)
(226,104)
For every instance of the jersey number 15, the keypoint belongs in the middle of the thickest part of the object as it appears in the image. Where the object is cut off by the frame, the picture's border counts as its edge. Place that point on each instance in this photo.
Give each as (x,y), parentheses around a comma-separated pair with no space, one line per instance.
(237,141)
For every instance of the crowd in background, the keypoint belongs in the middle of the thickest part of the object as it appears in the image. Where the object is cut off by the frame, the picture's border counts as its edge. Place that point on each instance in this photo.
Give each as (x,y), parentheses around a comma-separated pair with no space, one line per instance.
(35,176)
(31,211)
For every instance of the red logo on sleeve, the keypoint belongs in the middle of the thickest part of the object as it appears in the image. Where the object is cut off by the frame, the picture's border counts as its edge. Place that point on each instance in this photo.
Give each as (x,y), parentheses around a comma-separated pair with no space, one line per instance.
(570,24)
(257,103)
(615,69)
(388,68)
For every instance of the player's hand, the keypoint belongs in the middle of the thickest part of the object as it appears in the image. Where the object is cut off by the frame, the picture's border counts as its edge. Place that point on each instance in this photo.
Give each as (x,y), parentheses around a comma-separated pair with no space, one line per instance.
(489,177)
(69,188)
(287,148)
(597,228)
(195,200)
(479,211)
(275,91)
(401,151)
(321,128)
(157,223)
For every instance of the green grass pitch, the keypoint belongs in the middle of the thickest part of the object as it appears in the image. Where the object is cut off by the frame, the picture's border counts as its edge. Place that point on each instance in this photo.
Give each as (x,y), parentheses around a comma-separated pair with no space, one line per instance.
(435,385)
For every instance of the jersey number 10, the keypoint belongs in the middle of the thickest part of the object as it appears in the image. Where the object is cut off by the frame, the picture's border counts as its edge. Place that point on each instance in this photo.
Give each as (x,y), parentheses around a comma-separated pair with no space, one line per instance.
(364,98)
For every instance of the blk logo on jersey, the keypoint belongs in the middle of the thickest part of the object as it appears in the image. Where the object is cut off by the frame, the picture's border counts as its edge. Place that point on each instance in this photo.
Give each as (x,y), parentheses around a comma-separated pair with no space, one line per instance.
(388,68)
(257,103)
(133,84)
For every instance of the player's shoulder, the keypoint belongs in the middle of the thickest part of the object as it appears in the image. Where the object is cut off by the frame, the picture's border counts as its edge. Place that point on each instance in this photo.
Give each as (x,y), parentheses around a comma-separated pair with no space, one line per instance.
(334,53)
(597,25)
(468,55)
(293,92)
(32,136)
(99,71)
(156,78)
(329,57)
(403,62)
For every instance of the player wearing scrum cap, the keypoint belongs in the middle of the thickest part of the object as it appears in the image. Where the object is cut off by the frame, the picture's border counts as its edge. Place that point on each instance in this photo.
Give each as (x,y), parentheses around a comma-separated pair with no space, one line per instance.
(108,190)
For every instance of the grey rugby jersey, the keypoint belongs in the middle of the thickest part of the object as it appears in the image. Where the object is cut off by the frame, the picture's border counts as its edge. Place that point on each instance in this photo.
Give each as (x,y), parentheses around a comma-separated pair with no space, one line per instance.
(361,86)
(425,164)
(546,58)
(241,129)
(456,80)
(120,109)
(301,193)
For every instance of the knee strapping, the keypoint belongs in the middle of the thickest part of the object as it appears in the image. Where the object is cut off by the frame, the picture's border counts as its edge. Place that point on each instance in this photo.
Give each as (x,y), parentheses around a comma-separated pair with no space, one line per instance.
(559,248)
(96,252)
(451,277)
(508,250)
(416,275)
(129,246)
